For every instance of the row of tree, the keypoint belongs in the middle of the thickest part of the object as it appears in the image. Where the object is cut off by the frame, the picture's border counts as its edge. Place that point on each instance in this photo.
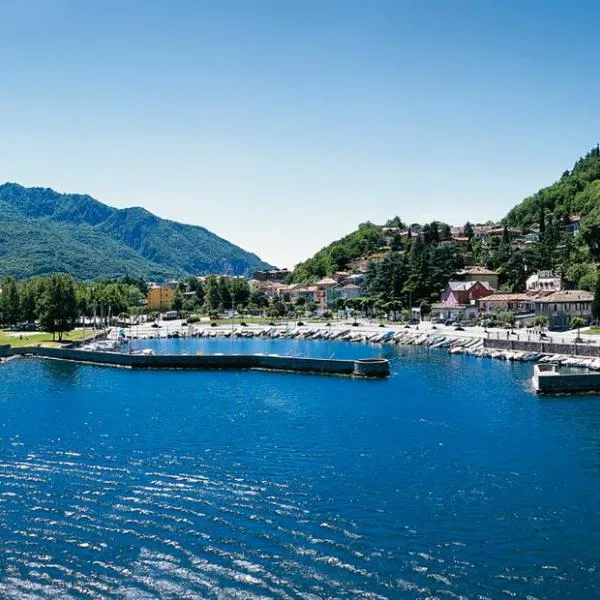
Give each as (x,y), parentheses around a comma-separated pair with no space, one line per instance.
(58,300)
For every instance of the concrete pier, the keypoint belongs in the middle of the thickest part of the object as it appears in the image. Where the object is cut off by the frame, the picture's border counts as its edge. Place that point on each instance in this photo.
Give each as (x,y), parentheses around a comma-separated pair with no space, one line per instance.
(547,379)
(375,368)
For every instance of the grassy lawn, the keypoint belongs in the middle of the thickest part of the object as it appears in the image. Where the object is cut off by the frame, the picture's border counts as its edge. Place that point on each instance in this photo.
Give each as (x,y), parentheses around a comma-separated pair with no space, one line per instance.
(32,338)
(592,331)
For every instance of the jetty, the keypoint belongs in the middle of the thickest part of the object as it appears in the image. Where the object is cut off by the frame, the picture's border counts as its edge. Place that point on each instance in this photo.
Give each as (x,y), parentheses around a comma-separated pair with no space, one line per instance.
(368,368)
(548,378)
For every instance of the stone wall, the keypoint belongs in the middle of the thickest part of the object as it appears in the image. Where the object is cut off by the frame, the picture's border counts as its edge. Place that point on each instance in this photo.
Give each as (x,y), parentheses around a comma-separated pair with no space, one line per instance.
(590,350)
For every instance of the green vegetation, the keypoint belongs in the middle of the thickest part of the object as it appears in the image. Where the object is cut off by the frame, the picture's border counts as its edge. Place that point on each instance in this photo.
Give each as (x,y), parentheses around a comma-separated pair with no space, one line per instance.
(27,338)
(337,256)
(79,235)
(413,268)
(577,192)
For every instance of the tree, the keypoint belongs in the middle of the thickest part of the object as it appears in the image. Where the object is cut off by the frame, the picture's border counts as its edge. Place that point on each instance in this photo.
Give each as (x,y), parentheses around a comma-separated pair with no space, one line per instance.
(577,323)
(509,318)
(58,305)
(596,302)
(177,302)
(30,292)
(212,296)
(540,321)
(9,302)
(468,230)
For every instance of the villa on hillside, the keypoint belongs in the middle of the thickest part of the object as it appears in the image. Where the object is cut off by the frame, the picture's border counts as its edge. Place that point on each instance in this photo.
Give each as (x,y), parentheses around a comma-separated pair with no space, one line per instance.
(559,307)
(477,273)
(574,225)
(544,281)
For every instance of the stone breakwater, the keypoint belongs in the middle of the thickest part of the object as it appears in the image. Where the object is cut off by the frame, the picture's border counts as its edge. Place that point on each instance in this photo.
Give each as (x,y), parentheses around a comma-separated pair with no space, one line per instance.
(374,368)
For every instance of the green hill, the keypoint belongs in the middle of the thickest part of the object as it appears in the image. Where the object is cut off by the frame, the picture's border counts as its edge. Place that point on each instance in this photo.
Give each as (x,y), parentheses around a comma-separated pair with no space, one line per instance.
(42,231)
(577,192)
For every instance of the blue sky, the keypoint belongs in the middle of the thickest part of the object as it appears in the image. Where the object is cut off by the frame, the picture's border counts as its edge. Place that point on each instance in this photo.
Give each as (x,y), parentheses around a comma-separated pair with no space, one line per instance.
(282,124)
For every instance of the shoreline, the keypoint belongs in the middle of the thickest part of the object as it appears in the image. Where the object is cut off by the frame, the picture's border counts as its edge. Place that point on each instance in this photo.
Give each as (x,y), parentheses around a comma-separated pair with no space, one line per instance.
(470,341)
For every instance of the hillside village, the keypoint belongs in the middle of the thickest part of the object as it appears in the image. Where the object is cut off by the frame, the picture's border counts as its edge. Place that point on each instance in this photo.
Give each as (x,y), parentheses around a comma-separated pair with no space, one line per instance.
(471,294)
(537,265)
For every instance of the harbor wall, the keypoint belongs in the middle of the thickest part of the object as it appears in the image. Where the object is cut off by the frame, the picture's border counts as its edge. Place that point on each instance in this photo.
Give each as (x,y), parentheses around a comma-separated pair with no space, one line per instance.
(365,368)
(590,350)
(548,380)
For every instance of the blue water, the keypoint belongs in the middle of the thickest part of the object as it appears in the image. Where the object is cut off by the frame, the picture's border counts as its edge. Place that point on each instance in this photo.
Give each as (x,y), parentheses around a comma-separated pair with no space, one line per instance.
(449,480)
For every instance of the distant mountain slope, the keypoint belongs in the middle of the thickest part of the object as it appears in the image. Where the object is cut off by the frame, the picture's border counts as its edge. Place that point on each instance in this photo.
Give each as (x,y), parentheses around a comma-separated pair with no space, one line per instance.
(42,231)
(577,192)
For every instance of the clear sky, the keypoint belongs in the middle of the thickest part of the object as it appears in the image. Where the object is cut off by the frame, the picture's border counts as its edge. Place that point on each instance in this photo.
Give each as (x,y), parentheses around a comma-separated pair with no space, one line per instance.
(282,124)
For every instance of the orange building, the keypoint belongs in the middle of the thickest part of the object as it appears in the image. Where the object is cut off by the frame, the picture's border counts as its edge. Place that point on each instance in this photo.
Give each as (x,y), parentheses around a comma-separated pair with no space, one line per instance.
(160,298)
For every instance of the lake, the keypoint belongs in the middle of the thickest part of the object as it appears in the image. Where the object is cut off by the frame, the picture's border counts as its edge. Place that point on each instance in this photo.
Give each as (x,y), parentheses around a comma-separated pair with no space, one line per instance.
(450,479)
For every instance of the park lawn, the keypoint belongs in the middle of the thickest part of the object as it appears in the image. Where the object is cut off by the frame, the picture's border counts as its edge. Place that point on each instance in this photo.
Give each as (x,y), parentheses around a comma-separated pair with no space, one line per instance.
(33,338)
(592,331)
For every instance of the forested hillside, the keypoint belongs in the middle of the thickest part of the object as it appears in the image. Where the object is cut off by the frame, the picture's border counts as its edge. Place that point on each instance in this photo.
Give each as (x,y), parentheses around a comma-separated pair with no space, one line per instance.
(42,231)
(558,229)
(577,192)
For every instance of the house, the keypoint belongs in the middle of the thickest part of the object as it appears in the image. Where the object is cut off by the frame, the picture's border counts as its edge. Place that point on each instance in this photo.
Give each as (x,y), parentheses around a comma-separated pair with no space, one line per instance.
(499,301)
(477,273)
(531,238)
(461,240)
(348,290)
(574,225)
(544,281)
(309,293)
(465,292)
(341,276)
(560,307)
(459,299)
(323,290)
(160,297)
(272,275)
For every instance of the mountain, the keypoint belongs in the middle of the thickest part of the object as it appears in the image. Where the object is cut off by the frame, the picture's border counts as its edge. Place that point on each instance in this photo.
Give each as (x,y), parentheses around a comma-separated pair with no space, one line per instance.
(577,192)
(42,231)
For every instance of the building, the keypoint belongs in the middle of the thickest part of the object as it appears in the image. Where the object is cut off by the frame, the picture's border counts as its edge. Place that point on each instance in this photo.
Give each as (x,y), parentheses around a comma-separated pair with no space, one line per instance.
(516,303)
(531,238)
(459,299)
(477,273)
(346,291)
(465,292)
(574,224)
(560,307)
(309,293)
(160,298)
(324,287)
(272,275)
(544,281)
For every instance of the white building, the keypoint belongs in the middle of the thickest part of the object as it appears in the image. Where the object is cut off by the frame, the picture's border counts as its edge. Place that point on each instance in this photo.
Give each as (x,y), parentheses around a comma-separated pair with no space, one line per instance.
(544,281)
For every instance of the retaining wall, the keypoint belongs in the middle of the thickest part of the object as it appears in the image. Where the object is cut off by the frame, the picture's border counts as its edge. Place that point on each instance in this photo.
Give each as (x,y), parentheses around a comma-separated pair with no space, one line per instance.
(544,347)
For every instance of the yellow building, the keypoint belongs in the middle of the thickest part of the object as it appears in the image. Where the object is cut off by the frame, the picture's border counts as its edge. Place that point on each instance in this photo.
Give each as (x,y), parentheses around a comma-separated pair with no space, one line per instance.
(160,298)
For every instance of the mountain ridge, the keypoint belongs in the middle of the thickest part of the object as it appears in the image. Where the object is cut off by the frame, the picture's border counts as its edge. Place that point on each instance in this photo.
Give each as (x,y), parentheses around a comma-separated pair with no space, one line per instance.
(132,241)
